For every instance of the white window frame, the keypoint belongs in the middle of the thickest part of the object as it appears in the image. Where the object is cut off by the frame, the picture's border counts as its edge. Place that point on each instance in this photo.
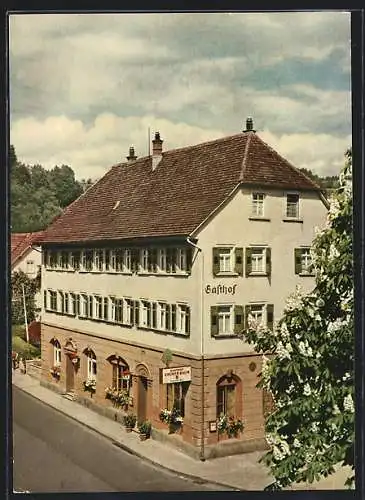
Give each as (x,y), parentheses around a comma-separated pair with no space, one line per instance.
(83,305)
(258,204)
(182,260)
(52,296)
(99,260)
(288,205)
(260,311)
(182,315)
(127,311)
(91,365)
(57,353)
(145,309)
(224,315)
(98,307)
(127,260)
(162,311)
(162,260)
(144,258)
(227,254)
(255,269)
(305,257)
(112,261)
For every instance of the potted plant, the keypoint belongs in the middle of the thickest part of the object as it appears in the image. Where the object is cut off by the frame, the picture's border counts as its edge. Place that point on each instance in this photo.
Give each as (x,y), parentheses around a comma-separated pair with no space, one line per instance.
(90,385)
(229,425)
(55,371)
(129,421)
(144,430)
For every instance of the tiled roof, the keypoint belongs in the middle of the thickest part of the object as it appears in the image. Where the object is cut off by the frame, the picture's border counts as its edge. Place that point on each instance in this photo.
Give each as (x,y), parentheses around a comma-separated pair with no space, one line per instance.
(187,185)
(21,242)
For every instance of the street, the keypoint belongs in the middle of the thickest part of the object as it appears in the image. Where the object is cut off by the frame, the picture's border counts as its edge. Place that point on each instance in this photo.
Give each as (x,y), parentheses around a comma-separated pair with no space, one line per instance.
(53,453)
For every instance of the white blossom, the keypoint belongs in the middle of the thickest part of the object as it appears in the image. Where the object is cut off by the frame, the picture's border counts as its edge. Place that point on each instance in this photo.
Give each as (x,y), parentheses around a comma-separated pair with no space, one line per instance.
(319,302)
(278,454)
(334,209)
(314,427)
(333,326)
(336,410)
(307,390)
(347,376)
(282,352)
(318,355)
(348,404)
(284,330)
(296,443)
(333,253)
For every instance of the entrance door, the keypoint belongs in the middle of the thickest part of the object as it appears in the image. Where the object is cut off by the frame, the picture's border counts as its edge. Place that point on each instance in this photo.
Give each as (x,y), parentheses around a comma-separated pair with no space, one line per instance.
(70,375)
(142,399)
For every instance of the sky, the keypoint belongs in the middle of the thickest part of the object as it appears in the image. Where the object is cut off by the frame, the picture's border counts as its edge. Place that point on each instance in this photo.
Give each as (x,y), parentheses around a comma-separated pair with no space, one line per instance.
(86,87)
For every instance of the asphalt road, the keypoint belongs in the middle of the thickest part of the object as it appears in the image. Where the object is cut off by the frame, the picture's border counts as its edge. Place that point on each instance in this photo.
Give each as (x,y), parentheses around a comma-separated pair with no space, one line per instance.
(53,453)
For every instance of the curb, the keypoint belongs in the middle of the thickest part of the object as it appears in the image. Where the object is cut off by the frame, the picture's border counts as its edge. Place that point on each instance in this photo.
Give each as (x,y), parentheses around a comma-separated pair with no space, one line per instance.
(191,477)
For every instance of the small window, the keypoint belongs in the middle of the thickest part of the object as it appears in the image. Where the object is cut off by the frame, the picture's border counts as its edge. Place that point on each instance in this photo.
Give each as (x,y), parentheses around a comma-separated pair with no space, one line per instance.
(258,261)
(258,204)
(303,261)
(120,374)
(99,260)
(128,308)
(145,314)
(162,259)
(56,353)
(292,206)
(261,314)
(98,311)
(144,261)
(53,300)
(184,319)
(117,310)
(226,397)
(127,260)
(30,267)
(162,316)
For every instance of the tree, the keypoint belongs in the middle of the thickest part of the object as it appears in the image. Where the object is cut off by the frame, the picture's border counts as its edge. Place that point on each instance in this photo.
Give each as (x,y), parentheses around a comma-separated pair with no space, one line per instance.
(308,360)
(64,185)
(31,286)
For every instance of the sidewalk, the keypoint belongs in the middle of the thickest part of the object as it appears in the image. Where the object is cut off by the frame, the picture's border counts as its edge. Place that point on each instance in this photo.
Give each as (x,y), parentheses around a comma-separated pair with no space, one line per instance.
(237,472)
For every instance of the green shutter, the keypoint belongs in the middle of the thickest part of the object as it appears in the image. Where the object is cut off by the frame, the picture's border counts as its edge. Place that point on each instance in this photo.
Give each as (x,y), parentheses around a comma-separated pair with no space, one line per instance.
(298,260)
(248,261)
(247,312)
(215,261)
(268,261)
(238,319)
(189,258)
(270,316)
(213,321)
(45,299)
(188,321)
(238,268)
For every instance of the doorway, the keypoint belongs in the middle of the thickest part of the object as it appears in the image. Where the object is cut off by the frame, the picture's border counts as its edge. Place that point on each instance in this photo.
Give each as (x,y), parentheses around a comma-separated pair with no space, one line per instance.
(142,399)
(70,375)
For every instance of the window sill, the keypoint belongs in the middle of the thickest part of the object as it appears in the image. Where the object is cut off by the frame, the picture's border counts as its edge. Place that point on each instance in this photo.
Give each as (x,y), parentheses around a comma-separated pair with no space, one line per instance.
(293,219)
(225,335)
(162,273)
(311,275)
(257,217)
(159,330)
(226,273)
(258,274)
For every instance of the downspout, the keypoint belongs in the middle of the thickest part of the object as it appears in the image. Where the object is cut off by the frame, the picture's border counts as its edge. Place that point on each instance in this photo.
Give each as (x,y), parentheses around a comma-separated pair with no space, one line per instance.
(202,445)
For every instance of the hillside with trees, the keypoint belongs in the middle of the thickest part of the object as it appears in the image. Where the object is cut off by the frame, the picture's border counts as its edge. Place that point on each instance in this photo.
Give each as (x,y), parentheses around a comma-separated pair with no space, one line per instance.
(38,195)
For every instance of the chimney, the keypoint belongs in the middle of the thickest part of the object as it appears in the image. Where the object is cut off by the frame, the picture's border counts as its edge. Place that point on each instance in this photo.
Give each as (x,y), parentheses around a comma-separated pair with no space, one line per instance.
(249,125)
(131,156)
(156,150)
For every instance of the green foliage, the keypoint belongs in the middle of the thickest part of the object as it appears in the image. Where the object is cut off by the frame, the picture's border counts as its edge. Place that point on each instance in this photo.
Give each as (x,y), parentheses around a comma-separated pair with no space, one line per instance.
(39,195)
(18,280)
(327,183)
(25,350)
(311,375)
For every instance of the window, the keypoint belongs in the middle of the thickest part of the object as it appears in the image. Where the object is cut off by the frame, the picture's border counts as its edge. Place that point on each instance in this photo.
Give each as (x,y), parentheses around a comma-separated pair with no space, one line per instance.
(30,267)
(127,260)
(56,353)
(83,305)
(75,260)
(227,260)
(226,320)
(117,310)
(128,308)
(162,259)
(303,261)
(226,397)
(91,365)
(171,317)
(119,256)
(53,259)
(258,261)
(152,262)
(184,319)
(73,304)
(53,300)
(106,308)
(99,260)
(154,315)
(144,260)
(90,303)
(87,260)
(292,206)
(258,204)
(64,260)
(45,299)
(175,396)
(145,314)
(182,259)
(171,260)
(120,374)
(162,316)
(261,313)
(98,312)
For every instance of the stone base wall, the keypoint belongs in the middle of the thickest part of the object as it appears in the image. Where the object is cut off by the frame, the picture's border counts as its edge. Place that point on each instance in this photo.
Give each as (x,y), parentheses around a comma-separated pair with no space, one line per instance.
(147,362)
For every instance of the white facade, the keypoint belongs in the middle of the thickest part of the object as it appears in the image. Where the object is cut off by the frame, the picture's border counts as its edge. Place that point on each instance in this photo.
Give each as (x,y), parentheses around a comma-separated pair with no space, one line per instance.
(29,262)
(232,226)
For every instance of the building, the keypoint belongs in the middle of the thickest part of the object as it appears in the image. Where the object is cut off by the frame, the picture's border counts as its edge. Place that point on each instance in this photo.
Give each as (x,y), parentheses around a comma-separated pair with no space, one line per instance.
(148,279)
(26,256)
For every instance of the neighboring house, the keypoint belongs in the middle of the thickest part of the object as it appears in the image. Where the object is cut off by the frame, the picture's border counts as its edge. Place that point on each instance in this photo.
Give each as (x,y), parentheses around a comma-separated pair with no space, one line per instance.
(26,256)
(174,251)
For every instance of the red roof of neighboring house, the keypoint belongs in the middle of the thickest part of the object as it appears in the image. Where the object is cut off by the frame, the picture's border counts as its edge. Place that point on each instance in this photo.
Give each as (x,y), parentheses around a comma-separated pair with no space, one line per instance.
(172,200)
(21,242)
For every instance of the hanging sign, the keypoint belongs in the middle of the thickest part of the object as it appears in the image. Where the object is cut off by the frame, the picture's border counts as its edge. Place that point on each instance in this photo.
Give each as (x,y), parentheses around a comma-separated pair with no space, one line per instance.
(174,375)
